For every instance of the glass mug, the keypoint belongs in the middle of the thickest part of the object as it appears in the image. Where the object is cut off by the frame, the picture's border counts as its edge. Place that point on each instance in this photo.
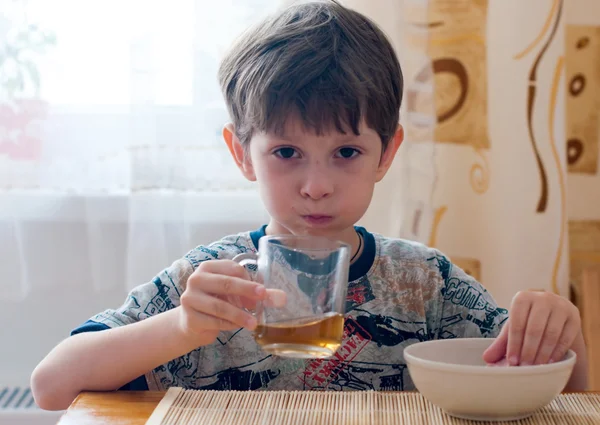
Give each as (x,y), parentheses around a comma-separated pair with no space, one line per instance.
(307,281)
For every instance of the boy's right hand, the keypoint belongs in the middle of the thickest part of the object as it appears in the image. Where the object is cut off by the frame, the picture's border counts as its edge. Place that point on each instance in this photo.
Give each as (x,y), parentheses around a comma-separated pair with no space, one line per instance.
(211,301)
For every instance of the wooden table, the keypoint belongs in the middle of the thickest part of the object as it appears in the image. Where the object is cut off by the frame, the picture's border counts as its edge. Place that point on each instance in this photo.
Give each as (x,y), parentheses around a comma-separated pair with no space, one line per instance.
(112,408)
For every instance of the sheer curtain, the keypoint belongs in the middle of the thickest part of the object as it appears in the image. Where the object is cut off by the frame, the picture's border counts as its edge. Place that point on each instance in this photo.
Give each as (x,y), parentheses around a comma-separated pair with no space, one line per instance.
(111,158)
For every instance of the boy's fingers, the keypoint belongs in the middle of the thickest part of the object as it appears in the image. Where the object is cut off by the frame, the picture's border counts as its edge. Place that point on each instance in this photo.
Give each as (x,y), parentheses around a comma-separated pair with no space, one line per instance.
(534,332)
(501,363)
(219,284)
(224,267)
(247,303)
(519,314)
(207,322)
(554,330)
(275,298)
(220,309)
(566,340)
(497,350)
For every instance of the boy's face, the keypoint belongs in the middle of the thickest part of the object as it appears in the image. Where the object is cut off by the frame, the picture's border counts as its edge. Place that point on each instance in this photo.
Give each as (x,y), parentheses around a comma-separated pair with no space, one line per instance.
(310,184)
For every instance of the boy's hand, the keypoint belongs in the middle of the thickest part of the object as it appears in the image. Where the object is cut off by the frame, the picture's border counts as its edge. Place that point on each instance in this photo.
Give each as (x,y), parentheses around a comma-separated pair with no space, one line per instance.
(541,329)
(215,297)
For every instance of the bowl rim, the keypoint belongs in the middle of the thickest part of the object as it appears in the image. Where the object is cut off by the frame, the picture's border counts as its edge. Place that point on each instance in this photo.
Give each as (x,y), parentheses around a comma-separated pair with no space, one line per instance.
(567,362)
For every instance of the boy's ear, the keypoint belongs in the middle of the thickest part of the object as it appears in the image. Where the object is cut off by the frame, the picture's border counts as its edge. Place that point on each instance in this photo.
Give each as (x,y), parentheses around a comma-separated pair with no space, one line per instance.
(238,153)
(387,157)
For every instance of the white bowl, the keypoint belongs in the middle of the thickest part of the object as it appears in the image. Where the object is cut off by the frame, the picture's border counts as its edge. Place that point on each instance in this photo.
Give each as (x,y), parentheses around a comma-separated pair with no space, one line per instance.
(451,374)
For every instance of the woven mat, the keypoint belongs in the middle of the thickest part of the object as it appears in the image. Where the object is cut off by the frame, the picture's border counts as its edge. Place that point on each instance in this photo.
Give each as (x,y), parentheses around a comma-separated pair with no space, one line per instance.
(187,407)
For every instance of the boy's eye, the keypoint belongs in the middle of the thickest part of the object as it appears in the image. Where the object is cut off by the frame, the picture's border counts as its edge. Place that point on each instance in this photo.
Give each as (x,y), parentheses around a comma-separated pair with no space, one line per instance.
(348,153)
(286,153)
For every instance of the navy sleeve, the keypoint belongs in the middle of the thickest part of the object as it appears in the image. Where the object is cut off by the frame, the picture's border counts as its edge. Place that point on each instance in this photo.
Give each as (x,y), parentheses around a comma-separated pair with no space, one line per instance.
(89,326)
(139,383)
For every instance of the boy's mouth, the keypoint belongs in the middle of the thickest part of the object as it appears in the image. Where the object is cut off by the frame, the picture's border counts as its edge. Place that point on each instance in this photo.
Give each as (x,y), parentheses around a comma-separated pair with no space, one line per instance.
(317,219)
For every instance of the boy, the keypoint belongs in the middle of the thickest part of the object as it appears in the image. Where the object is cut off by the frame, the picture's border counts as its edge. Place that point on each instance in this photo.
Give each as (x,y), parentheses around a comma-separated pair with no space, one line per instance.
(314,94)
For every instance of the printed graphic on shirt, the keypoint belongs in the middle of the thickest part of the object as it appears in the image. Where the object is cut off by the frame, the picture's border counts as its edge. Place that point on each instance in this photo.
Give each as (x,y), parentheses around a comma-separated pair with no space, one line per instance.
(475,300)
(487,326)
(223,339)
(344,372)
(443,265)
(359,293)
(389,331)
(241,378)
(180,371)
(446,324)
(359,376)
(161,301)
(319,373)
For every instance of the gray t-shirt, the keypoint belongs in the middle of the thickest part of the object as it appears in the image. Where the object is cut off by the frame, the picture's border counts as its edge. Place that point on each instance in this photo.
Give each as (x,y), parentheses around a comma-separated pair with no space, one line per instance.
(399,293)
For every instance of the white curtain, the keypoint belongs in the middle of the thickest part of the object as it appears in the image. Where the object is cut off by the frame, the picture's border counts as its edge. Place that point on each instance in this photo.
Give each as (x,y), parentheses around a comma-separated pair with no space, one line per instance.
(111,158)
(112,164)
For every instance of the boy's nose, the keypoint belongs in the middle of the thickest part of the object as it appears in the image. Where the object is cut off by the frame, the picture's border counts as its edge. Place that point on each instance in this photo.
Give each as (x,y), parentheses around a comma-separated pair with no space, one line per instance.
(316,186)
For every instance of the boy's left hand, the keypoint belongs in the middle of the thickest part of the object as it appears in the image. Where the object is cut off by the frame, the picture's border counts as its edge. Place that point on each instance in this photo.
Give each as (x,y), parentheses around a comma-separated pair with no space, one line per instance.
(541,329)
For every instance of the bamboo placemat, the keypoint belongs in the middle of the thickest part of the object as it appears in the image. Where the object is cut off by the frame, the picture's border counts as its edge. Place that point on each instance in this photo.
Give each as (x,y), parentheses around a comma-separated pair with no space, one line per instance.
(187,407)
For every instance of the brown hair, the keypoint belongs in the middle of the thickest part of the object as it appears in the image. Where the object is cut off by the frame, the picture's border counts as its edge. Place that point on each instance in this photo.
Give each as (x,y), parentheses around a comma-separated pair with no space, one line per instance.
(330,65)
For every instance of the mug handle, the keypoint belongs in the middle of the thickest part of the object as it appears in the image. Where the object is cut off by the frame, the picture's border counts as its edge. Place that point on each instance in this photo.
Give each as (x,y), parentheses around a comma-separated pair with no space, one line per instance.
(245,259)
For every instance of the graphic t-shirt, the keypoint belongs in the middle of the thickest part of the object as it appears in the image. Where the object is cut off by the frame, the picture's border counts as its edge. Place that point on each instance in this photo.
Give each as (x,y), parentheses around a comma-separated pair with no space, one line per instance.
(399,293)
